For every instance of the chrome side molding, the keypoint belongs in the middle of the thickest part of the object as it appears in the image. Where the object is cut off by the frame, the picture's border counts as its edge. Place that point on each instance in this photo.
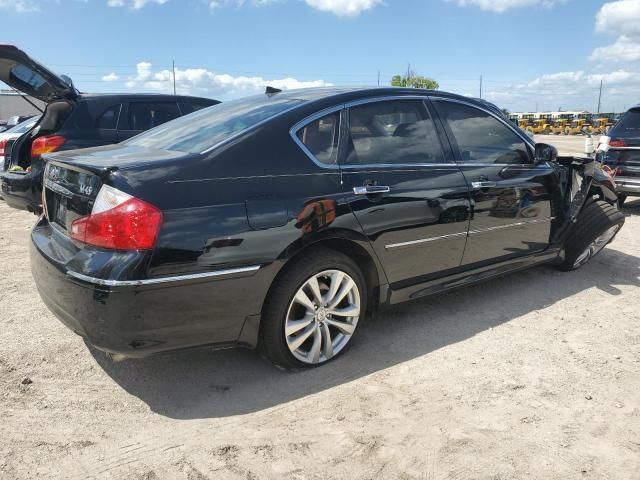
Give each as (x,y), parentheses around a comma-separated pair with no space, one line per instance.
(160,280)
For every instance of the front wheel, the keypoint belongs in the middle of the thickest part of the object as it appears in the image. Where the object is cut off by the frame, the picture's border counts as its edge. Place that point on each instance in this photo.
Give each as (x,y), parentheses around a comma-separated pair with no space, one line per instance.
(313,310)
(597,225)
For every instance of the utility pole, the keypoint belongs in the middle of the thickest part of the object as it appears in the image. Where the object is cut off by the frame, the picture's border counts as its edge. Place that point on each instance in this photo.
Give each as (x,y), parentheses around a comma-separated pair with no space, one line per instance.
(600,97)
(480,86)
(174,76)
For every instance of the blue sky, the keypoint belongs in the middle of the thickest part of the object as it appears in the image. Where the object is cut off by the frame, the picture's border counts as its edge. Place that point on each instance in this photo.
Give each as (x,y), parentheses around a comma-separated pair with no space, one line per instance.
(532,54)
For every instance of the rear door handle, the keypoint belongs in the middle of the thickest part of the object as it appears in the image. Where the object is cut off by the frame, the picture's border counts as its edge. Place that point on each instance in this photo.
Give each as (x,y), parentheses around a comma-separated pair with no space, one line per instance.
(477,185)
(371,190)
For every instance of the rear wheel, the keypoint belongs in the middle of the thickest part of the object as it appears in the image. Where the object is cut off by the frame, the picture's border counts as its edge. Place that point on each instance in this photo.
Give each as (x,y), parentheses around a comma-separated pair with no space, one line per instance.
(313,310)
(597,225)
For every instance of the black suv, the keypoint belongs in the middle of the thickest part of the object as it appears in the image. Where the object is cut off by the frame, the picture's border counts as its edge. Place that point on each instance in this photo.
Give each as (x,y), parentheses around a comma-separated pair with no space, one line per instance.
(624,154)
(73,120)
(280,220)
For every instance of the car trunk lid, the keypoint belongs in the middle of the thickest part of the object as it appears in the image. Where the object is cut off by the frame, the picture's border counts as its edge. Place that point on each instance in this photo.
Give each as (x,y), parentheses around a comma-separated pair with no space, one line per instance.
(69,193)
(26,75)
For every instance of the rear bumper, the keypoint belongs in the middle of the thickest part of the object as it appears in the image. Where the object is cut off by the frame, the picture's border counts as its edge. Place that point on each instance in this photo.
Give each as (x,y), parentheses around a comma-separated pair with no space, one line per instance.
(628,186)
(22,191)
(135,319)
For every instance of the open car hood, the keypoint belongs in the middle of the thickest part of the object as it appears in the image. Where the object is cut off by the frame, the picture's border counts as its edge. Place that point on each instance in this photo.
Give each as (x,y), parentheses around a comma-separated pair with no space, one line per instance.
(23,73)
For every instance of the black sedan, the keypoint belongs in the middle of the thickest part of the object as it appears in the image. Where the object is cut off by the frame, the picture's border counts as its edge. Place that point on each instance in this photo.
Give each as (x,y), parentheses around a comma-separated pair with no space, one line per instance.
(279,221)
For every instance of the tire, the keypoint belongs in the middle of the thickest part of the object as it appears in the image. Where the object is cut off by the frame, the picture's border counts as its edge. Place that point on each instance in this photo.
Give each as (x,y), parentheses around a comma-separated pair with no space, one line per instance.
(283,309)
(621,200)
(597,225)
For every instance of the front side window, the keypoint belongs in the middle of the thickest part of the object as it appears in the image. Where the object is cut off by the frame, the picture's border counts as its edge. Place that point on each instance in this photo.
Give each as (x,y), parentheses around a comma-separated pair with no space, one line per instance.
(143,116)
(396,132)
(481,138)
(321,138)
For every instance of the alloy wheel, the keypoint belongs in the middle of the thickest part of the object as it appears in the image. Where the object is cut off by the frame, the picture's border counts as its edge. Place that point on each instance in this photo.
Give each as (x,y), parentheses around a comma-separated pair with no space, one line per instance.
(594,247)
(322,317)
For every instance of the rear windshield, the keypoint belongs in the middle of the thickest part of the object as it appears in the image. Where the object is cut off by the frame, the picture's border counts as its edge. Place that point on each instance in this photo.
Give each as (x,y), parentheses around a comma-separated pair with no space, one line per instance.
(205,128)
(629,124)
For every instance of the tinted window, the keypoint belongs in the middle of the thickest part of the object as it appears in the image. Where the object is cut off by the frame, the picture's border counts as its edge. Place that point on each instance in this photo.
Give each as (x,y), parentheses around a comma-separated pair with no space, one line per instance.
(321,138)
(109,118)
(27,76)
(481,138)
(144,116)
(198,105)
(392,132)
(629,124)
(202,130)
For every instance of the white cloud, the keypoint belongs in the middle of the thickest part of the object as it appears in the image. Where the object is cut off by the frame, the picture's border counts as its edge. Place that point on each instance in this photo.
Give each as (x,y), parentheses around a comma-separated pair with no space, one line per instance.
(343,8)
(19,5)
(625,49)
(621,18)
(135,4)
(112,77)
(500,6)
(573,90)
(199,81)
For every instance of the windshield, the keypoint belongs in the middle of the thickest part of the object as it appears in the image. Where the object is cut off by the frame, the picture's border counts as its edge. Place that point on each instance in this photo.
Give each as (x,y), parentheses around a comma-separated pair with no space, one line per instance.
(24,126)
(199,131)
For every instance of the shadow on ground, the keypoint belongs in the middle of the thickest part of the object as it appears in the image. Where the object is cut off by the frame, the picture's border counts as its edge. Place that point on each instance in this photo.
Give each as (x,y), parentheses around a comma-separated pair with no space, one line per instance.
(200,384)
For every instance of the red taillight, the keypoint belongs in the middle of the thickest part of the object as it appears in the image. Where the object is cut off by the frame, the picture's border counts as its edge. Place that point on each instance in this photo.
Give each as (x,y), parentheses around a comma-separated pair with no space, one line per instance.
(3,144)
(617,142)
(119,221)
(46,144)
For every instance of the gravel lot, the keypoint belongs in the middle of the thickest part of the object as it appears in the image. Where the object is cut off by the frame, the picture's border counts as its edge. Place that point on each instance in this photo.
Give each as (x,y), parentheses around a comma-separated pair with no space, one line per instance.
(532,376)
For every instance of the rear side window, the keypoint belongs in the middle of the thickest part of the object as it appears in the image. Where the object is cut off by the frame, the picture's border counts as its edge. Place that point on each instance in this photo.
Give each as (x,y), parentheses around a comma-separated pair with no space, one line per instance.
(480,137)
(202,130)
(143,116)
(321,138)
(109,118)
(392,133)
(629,124)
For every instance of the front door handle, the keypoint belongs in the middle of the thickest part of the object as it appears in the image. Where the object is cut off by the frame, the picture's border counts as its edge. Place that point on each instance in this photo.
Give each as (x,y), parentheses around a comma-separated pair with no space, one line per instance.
(371,190)
(477,185)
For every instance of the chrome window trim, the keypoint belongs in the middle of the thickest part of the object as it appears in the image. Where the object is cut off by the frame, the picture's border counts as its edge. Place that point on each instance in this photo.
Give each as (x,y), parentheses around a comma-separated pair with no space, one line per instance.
(528,141)
(161,280)
(293,132)
(421,241)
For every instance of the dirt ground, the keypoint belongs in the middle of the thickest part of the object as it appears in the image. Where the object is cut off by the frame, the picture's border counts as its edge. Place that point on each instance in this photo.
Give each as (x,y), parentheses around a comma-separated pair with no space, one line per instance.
(531,376)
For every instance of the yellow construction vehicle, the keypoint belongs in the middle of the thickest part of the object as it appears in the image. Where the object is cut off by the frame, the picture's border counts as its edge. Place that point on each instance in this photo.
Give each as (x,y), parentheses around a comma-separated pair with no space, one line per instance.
(578,127)
(523,123)
(542,125)
(559,127)
(601,126)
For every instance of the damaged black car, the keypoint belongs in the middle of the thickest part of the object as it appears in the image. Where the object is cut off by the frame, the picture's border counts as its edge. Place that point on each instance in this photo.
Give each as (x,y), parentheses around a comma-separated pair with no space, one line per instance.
(280,221)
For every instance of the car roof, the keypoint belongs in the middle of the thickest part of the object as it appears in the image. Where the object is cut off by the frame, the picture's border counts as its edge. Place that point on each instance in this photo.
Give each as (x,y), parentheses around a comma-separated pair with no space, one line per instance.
(146,96)
(321,93)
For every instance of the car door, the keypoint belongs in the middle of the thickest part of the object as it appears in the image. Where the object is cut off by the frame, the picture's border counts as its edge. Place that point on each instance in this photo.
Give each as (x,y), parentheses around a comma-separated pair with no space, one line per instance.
(411,202)
(510,194)
(142,116)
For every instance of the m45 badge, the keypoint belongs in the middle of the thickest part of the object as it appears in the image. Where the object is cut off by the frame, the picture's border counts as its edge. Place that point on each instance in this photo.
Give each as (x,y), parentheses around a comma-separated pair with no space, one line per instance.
(86,190)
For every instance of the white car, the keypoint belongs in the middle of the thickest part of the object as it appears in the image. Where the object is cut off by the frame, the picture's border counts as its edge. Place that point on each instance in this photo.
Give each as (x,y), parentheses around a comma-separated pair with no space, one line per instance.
(13,133)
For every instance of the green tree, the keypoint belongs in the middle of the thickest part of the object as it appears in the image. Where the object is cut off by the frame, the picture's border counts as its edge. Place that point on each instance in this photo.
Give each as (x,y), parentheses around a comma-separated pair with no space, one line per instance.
(415,81)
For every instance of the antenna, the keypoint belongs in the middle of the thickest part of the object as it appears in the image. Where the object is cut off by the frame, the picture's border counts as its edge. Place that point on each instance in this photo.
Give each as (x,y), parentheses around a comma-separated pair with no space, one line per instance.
(600,97)
(174,76)
(272,90)
(480,86)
